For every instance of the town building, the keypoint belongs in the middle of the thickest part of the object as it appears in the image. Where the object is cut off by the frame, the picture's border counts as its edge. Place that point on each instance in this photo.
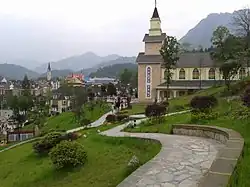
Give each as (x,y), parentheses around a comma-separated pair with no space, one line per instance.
(100,81)
(75,80)
(194,71)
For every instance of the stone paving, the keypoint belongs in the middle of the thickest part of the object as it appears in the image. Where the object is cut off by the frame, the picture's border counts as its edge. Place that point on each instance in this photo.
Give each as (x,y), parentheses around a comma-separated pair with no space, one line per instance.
(182,161)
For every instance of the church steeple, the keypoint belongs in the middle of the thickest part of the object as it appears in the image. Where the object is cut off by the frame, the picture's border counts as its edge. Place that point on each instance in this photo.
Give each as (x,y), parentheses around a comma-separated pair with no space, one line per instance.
(49,69)
(49,75)
(155,13)
(155,23)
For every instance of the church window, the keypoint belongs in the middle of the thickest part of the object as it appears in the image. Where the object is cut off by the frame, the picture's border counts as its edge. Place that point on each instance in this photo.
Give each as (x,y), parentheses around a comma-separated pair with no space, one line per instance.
(148,81)
(242,73)
(196,74)
(211,73)
(182,74)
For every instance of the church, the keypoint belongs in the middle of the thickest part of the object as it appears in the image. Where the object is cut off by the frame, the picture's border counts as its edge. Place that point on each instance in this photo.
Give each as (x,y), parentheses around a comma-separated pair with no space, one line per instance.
(194,70)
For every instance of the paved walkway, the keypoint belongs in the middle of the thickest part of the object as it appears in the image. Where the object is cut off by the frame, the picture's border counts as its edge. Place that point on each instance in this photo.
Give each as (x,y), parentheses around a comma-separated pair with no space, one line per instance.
(96,123)
(182,161)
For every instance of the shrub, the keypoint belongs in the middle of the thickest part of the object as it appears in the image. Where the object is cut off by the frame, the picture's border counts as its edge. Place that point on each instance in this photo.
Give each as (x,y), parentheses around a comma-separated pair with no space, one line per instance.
(155,110)
(47,142)
(121,117)
(68,154)
(199,116)
(165,103)
(203,103)
(71,136)
(111,118)
(241,113)
(246,97)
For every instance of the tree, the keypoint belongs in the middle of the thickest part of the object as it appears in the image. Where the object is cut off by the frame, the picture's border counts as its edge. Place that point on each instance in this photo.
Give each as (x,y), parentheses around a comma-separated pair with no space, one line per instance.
(241,21)
(229,70)
(134,81)
(26,83)
(103,90)
(79,99)
(170,54)
(227,53)
(111,89)
(125,77)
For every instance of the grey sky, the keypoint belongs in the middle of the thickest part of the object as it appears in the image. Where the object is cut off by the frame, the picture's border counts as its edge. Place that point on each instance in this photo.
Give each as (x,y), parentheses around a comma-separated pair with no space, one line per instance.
(62,28)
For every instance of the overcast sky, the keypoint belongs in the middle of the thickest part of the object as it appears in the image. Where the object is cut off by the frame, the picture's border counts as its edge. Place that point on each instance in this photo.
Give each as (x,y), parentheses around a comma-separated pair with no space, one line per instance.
(103,26)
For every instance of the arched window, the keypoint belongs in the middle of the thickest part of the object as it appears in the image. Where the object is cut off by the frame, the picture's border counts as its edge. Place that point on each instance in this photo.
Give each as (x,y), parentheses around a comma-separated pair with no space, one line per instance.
(242,73)
(211,73)
(182,74)
(196,74)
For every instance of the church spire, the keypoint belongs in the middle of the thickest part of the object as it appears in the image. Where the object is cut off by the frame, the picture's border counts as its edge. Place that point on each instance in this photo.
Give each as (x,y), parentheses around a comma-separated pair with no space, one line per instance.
(155,23)
(49,69)
(49,74)
(155,13)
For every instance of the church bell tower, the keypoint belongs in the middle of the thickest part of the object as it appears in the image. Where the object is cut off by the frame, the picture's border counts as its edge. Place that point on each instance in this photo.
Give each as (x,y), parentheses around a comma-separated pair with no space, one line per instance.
(155,23)
(49,74)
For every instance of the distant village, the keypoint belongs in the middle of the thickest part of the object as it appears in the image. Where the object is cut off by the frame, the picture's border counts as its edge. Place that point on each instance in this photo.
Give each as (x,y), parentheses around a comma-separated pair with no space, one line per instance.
(60,100)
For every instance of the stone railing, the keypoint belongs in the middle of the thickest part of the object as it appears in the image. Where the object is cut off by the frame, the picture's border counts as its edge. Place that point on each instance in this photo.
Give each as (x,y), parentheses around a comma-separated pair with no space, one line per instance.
(224,165)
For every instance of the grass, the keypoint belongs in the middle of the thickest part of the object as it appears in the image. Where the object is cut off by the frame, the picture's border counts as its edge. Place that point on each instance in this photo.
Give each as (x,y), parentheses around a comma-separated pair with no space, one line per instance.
(137,108)
(65,121)
(106,165)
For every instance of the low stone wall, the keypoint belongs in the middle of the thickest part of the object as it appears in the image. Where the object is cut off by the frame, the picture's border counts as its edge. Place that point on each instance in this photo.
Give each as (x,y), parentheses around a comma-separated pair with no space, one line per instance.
(224,165)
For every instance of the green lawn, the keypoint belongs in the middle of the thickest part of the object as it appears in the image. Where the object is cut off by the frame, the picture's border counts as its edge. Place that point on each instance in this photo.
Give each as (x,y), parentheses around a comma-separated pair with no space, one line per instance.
(66,121)
(137,108)
(106,165)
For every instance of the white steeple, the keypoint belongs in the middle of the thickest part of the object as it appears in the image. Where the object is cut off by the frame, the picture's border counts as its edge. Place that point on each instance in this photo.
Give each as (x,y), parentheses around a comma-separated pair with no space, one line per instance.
(155,23)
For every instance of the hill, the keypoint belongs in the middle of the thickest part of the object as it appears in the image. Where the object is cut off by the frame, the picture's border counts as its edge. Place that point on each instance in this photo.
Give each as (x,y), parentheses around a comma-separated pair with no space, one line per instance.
(201,34)
(77,62)
(58,73)
(113,71)
(120,60)
(13,71)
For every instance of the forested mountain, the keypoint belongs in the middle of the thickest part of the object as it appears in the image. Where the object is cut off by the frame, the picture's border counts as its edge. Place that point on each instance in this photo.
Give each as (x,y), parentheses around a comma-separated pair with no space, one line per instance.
(113,71)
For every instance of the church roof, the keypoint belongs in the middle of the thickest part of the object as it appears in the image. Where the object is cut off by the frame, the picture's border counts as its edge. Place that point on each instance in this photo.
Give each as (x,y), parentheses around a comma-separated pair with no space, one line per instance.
(49,68)
(187,60)
(144,59)
(155,14)
(154,39)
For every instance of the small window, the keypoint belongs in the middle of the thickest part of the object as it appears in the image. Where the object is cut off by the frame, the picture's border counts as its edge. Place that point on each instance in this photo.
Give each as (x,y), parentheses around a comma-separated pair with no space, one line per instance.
(211,73)
(182,74)
(196,74)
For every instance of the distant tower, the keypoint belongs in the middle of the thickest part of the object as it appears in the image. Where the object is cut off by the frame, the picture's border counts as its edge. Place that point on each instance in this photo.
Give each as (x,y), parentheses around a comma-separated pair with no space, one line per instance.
(49,75)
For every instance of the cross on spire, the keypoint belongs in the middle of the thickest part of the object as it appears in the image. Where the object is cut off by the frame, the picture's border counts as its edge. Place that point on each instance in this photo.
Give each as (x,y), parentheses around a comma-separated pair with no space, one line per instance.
(155,3)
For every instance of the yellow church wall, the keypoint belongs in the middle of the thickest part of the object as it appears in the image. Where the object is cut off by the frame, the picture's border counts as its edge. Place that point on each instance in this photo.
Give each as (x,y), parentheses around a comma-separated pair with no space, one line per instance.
(156,80)
(155,27)
(152,48)
(204,74)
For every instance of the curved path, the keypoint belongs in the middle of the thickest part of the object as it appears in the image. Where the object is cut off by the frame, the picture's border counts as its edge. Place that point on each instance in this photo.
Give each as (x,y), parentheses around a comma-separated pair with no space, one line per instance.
(182,161)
